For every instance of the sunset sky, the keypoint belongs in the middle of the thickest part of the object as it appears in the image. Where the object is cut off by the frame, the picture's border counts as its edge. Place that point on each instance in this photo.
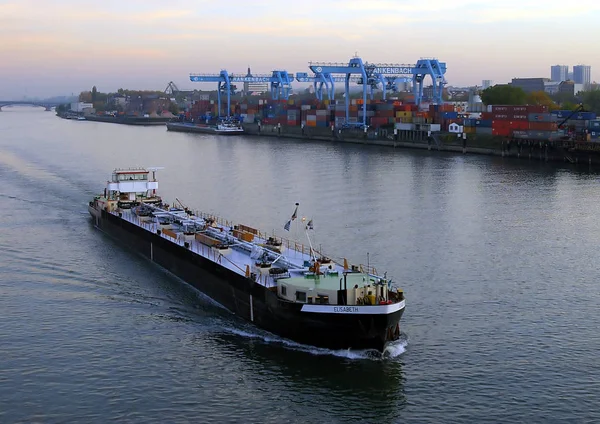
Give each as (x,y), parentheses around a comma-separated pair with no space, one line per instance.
(57,47)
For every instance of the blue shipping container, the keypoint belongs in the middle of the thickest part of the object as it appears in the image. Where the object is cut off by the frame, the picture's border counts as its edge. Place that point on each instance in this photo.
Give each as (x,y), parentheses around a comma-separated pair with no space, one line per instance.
(485,123)
(581,116)
(449,115)
(469,122)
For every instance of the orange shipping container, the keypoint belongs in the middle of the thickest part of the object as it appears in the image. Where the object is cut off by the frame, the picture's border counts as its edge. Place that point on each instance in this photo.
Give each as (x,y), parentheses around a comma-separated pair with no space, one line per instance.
(542,126)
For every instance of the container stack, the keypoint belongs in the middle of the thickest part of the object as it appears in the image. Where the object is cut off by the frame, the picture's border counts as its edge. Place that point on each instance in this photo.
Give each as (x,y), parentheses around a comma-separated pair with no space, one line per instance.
(443,114)
(527,122)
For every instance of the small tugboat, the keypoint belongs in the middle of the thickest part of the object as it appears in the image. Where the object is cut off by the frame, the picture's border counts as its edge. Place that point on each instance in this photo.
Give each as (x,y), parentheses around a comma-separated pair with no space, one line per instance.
(301,295)
(222,127)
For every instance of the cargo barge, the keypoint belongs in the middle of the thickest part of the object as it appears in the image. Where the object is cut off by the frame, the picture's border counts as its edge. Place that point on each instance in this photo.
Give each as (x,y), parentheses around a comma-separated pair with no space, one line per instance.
(279,285)
(129,120)
(220,128)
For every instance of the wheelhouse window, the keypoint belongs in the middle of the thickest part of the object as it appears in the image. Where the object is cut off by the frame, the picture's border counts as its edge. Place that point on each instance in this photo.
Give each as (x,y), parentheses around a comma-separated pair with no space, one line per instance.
(300,296)
(283,290)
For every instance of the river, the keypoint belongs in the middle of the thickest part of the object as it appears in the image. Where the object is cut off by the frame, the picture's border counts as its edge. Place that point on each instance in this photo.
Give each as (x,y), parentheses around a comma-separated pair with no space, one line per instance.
(497,257)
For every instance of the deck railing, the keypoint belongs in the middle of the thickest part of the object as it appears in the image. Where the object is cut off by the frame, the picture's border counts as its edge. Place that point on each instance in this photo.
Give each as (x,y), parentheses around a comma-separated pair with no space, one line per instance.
(199,248)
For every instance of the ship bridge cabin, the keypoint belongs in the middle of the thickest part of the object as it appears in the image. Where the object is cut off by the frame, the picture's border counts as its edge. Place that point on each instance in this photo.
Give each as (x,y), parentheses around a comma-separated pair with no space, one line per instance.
(335,288)
(132,186)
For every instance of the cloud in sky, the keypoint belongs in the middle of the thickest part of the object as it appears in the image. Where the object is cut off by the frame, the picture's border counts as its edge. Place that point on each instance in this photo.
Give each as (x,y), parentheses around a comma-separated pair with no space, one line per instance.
(55,47)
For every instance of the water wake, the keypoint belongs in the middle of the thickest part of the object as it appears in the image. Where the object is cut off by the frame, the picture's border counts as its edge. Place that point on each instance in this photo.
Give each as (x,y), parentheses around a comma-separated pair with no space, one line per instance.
(393,350)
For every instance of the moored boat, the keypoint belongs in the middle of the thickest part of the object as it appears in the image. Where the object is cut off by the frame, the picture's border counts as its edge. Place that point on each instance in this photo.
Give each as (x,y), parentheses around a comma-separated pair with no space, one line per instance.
(301,295)
(224,127)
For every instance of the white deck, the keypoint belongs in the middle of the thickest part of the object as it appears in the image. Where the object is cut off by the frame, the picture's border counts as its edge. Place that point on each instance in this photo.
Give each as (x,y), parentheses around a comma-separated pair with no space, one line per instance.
(239,256)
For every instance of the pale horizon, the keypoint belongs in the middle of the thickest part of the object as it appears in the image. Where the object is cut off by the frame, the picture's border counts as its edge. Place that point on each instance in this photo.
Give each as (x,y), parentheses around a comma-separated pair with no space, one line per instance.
(52,48)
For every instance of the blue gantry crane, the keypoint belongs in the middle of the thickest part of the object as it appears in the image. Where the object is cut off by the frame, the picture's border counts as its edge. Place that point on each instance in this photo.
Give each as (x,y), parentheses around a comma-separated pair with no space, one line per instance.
(371,75)
(280,84)
(325,75)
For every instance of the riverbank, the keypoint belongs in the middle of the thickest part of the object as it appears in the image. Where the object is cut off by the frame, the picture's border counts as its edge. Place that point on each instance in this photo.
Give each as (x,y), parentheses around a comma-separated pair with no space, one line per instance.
(587,153)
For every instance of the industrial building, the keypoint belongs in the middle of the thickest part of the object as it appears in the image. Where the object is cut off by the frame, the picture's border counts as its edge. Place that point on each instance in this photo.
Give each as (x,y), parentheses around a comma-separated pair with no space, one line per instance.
(530,85)
(255,87)
(80,106)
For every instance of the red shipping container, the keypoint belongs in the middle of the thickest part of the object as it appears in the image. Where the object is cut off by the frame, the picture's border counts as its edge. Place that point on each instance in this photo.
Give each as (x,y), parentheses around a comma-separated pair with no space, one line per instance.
(501,124)
(537,109)
(519,125)
(501,109)
(502,132)
(520,116)
(501,116)
(487,116)
(521,110)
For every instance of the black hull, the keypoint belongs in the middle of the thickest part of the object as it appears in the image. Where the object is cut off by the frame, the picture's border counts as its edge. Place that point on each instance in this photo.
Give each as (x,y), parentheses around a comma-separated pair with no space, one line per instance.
(178,127)
(236,293)
(129,120)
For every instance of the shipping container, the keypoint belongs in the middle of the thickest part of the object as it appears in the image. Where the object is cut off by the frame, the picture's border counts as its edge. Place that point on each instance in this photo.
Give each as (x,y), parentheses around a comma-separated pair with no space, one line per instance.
(594,125)
(483,130)
(520,117)
(539,135)
(520,133)
(483,123)
(581,116)
(404,127)
(542,126)
(503,131)
(541,117)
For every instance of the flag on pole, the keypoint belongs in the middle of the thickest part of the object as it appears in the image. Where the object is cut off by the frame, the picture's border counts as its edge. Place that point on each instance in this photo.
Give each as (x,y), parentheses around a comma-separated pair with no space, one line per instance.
(295,214)
(309,226)
(286,227)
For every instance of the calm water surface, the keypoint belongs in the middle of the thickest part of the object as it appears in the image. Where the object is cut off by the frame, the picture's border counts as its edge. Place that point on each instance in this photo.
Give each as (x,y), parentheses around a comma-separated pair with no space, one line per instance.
(498,259)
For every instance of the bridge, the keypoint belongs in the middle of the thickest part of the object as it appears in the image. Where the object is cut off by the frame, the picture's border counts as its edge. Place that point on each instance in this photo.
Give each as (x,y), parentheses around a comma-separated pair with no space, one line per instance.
(46,105)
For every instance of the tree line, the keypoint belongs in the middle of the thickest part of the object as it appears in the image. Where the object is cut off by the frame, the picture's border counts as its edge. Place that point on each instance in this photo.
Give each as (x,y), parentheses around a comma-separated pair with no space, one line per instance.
(509,95)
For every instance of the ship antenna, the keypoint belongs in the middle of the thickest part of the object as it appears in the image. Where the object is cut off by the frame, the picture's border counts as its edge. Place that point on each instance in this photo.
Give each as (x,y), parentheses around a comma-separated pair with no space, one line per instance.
(312,251)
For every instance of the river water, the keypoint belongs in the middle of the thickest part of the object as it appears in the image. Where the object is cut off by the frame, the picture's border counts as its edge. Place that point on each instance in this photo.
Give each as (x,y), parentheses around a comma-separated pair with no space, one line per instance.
(498,260)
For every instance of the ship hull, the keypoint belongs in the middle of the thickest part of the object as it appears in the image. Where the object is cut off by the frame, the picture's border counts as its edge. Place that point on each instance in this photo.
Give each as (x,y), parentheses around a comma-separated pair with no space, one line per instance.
(252,301)
(180,127)
(129,120)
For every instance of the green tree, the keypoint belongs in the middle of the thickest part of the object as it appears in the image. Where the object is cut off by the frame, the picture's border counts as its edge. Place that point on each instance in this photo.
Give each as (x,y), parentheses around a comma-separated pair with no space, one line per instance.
(591,101)
(94,94)
(541,98)
(503,95)
(568,105)
(562,98)
(173,108)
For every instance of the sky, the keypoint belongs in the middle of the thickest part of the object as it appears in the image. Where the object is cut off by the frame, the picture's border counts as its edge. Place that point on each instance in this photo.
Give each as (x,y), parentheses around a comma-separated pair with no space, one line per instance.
(59,47)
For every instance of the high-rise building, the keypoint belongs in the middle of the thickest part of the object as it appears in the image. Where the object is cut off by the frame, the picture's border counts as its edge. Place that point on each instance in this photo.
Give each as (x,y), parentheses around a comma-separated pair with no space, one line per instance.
(582,74)
(570,76)
(559,73)
(486,84)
